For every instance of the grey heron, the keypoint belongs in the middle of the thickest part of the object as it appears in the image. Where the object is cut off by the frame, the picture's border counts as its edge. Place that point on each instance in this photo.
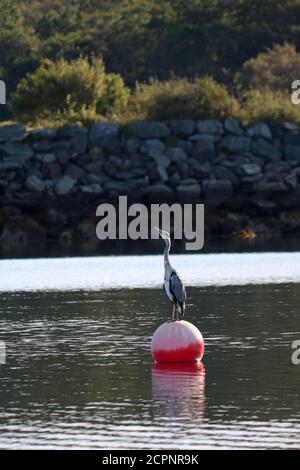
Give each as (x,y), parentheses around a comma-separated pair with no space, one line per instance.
(173,285)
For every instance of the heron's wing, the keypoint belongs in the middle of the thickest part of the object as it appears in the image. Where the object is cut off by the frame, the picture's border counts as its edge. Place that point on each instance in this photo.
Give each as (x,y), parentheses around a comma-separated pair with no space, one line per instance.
(177,288)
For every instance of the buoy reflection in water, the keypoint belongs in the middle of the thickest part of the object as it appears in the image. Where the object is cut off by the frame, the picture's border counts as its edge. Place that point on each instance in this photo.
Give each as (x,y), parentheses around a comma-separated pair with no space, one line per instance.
(180,388)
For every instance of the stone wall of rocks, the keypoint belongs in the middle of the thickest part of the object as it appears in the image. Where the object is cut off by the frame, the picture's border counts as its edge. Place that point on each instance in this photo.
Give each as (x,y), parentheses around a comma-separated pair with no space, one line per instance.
(52,180)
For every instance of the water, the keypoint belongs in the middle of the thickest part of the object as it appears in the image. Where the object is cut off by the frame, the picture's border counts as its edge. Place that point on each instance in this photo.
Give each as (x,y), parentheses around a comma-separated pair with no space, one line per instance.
(79,374)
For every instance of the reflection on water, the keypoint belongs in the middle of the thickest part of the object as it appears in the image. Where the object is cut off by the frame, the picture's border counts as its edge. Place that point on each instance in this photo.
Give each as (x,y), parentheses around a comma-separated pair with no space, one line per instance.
(79,372)
(180,389)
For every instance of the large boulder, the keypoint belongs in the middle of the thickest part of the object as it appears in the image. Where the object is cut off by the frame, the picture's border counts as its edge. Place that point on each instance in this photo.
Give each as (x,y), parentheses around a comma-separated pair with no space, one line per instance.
(292,138)
(210,126)
(176,154)
(236,144)
(264,149)
(291,153)
(183,127)
(17,150)
(150,130)
(64,185)
(248,169)
(260,129)
(188,193)
(153,147)
(34,183)
(106,136)
(233,126)
(158,193)
(204,150)
(13,133)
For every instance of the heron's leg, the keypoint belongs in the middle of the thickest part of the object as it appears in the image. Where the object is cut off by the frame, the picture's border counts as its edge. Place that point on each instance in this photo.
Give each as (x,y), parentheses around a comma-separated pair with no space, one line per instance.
(173,313)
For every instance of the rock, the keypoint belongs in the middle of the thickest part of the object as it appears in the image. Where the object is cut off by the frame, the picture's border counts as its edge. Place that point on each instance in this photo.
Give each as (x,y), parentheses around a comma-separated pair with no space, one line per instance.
(45,157)
(132,145)
(34,183)
(64,185)
(291,152)
(188,193)
(223,173)
(153,147)
(290,126)
(205,136)
(123,175)
(273,187)
(204,150)
(292,138)
(183,127)
(150,130)
(260,130)
(265,149)
(159,193)
(3,183)
(79,142)
(264,206)
(94,188)
(43,146)
(233,126)
(19,151)
(291,180)
(13,133)
(202,170)
(234,161)
(10,164)
(21,231)
(74,171)
(42,134)
(163,174)
(51,171)
(216,192)
(94,167)
(176,154)
(235,144)
(290,221)
(106,136)
(91,178)
(248,169)
(62,156)
(210,126)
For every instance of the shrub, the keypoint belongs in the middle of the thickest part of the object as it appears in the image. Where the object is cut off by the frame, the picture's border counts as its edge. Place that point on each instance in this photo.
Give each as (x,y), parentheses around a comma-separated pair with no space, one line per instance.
(75,89)
(268,105)
(275,69)
(182,98)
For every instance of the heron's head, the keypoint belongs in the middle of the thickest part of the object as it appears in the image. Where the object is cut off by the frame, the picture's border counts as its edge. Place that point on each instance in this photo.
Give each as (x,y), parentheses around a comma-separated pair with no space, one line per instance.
(164,234)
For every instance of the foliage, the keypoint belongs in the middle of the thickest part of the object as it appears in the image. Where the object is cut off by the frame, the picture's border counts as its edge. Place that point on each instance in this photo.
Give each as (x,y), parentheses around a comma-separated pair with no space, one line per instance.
(268,105)
(69,88)
(182,98)
(275,69)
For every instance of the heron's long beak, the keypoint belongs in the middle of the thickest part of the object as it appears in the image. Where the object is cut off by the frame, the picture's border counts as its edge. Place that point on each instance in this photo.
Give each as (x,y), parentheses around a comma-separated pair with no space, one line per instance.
(158,229)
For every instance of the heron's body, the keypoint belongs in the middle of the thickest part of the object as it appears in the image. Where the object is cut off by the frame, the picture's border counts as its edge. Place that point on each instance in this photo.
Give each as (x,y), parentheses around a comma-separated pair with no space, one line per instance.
(173,285)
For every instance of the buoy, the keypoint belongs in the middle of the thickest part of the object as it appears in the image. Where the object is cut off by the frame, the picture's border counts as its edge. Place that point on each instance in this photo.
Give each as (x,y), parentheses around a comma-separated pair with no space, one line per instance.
(178,341)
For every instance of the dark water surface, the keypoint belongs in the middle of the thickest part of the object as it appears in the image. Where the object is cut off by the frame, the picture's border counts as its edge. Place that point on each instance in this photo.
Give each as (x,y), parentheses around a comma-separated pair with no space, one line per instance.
(79,374)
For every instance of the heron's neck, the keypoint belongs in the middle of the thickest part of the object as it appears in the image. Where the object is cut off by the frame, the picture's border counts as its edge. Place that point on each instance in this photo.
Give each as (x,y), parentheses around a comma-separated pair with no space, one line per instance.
(166,254)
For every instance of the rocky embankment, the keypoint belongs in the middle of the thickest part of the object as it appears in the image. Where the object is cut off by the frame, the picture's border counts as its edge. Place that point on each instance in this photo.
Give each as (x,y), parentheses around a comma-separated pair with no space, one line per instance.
(51,181)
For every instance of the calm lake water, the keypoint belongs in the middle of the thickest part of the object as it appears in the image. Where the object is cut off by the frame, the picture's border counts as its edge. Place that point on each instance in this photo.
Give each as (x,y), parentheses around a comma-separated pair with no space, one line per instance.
(79,373)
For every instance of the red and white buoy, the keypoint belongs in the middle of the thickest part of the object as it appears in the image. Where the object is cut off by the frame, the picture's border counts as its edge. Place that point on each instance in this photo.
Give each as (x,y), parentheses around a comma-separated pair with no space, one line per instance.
(177,341)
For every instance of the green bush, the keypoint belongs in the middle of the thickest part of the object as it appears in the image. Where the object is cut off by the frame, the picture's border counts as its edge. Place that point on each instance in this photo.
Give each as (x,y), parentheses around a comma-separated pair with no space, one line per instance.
(275,69)
(268,105)
(182,98)
(71,90)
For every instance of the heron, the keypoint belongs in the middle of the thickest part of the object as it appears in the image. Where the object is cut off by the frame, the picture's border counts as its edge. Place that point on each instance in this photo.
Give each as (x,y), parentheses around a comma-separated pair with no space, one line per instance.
(173,285)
